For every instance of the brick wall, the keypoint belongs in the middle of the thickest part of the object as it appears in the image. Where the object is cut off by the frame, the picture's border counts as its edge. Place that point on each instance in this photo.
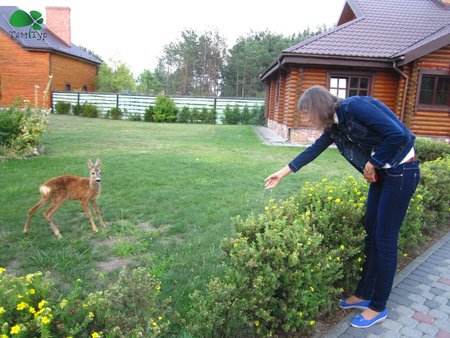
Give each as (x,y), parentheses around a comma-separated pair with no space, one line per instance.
(20,71)
(77,73)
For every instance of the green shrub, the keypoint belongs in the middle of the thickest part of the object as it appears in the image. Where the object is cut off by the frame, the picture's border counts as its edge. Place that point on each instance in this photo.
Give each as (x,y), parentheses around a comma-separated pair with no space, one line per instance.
(195,116)
(21,130)
(246,115)
(434,189)
(287,265)
(258,116)
(135,117)
(165,110)
(10,124)
(62,107)
(148,115)
(89,110)
(232,115)
(429,150)
(130,307)
(184,116)
(77,109)
(115,113)
(212,116)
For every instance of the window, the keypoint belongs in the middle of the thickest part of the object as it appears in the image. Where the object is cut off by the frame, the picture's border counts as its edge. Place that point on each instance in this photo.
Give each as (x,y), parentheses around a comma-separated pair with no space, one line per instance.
(68,87)
(434,90)
(345,86)
(85,88)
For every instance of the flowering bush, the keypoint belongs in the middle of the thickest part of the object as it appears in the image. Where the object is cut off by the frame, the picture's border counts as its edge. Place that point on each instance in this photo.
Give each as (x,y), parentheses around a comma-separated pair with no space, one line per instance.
(287,265)
(21,130)
(131,307)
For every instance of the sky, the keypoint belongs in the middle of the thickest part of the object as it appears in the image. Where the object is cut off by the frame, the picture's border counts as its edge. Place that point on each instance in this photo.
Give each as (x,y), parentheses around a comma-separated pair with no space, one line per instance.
(136,32)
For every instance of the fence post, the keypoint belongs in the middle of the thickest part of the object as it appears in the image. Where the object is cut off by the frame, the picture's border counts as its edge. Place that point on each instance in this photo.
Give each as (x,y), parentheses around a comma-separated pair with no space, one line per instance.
(117,101)
(78,98)
(215,103)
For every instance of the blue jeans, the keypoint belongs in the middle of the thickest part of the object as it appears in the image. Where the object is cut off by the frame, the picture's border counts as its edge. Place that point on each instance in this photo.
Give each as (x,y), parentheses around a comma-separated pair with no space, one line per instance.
(387,204)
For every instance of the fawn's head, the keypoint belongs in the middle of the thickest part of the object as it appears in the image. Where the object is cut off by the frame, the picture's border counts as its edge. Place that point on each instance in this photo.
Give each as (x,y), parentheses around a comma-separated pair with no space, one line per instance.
(95,170)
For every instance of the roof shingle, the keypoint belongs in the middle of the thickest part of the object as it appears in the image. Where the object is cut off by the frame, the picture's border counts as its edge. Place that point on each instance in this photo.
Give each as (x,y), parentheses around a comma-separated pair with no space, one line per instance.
(382,29)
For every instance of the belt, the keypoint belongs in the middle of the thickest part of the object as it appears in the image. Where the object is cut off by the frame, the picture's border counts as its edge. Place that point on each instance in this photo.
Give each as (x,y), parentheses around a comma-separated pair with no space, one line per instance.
(412,159)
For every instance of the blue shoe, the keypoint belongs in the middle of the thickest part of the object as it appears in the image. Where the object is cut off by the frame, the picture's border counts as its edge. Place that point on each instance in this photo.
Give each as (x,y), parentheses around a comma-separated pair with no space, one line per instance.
(361,322)
(360,305)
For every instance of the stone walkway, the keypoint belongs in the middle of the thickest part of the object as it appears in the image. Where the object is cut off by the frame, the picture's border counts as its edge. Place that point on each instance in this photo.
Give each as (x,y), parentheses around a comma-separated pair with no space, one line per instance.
(419,304)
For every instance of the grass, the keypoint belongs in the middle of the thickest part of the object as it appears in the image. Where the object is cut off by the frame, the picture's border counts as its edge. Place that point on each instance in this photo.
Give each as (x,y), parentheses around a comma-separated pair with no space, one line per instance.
(169,193)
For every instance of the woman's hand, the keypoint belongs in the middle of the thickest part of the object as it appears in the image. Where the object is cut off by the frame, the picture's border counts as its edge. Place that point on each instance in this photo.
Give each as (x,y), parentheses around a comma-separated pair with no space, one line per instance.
(276,177)
(369,173)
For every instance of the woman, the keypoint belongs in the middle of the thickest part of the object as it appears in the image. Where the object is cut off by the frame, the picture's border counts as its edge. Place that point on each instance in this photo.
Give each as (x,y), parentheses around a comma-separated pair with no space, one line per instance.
(370,136)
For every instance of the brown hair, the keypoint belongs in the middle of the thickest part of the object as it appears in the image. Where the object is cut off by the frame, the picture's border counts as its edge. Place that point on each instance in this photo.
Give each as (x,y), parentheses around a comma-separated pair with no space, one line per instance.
(320,105)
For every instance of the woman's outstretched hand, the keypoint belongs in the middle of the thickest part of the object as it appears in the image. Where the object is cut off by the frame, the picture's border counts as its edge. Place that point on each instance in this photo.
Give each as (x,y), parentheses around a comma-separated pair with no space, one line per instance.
(273,180)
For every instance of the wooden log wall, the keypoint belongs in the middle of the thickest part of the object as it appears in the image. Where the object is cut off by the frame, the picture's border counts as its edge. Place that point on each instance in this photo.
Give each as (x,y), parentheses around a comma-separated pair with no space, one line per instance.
(20,71)
(74,71)
(431,121)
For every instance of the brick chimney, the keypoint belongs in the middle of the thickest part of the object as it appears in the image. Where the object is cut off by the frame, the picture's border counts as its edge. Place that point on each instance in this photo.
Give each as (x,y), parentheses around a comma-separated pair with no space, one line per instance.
(58,21)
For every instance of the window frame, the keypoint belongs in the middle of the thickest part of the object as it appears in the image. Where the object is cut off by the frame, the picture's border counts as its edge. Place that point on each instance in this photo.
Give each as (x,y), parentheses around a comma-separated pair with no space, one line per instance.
(435,73)
(348,75)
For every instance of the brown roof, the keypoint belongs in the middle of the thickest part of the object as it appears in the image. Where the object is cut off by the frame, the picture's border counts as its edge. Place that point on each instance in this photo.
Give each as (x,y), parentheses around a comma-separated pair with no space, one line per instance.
(380,31)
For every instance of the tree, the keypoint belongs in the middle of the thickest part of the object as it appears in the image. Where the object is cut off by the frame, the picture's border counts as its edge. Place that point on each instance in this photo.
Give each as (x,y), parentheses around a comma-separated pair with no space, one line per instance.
(251,55)
(193,65)
(116,79)
(148,83)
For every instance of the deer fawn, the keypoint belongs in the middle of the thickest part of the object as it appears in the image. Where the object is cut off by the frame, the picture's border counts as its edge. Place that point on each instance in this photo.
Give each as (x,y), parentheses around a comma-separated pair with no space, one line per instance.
(62,188)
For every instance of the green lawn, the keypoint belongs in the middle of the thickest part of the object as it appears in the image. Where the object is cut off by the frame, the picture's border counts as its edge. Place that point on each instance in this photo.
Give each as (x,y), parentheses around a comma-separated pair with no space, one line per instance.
(169,193)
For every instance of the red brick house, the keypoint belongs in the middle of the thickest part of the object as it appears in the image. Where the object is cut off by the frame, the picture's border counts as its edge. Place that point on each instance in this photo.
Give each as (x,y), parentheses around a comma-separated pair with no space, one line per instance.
(28,57)
(396,51)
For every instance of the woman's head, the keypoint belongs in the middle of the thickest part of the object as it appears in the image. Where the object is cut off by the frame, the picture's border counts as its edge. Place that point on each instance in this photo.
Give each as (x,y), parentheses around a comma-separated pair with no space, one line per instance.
(319,104)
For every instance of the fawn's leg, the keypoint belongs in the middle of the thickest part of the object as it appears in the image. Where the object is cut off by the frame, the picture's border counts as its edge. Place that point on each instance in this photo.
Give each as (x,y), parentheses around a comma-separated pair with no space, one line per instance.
(48,214)
(85,206)
(94,204)
(42,202)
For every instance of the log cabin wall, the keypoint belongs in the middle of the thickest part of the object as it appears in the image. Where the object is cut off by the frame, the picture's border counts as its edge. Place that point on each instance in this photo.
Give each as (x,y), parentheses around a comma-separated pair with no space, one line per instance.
(20,71)
(430,121)
(80,75)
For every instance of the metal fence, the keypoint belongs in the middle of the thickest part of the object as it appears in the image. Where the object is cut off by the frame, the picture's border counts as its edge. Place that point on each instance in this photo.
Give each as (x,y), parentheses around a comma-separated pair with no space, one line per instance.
(136,104)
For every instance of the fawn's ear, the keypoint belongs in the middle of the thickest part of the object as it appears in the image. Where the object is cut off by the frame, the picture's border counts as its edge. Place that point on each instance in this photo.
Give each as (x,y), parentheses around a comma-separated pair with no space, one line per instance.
(98,162)
(90,164)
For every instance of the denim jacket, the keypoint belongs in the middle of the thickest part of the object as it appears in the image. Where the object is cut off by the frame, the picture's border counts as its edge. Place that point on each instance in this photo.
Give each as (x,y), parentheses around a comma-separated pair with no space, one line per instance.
(367,131)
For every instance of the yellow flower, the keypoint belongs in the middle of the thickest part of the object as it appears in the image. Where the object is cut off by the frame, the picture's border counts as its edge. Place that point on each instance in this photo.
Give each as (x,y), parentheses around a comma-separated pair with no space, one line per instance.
(338,200)
(15,329)
(160,318)
(95,335)
(256,322)
(45,320)
(324,180)
(405,255)
(266,208)
(2,270)
(300,314)
(91,315)
(32,291)
(32,309)
(329,198)
(311,288)
(21,306)
(312,322)
(155,324)
(359,259)
(63,303)
(2,310)
(41,304)
(29,278)
(342,247)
